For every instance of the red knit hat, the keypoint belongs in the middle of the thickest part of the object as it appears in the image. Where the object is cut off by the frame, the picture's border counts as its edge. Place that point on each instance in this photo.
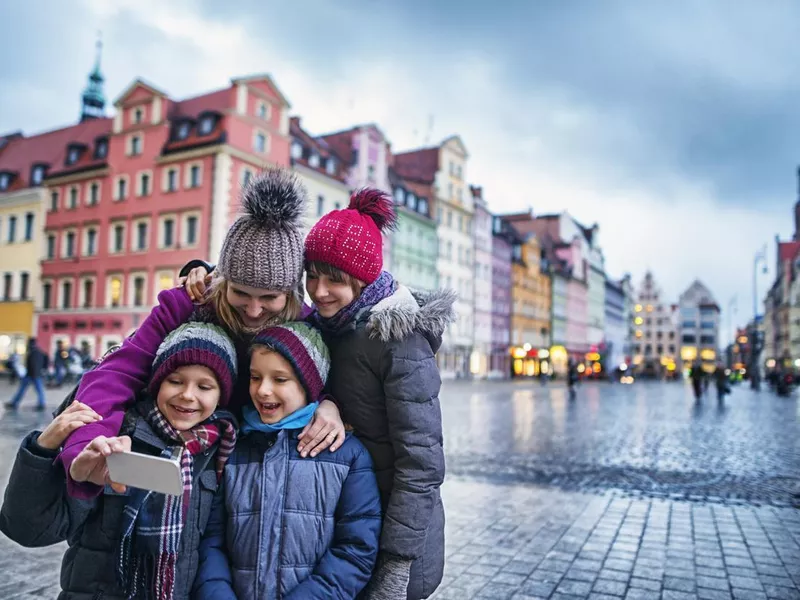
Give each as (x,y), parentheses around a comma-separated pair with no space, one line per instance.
(350,239)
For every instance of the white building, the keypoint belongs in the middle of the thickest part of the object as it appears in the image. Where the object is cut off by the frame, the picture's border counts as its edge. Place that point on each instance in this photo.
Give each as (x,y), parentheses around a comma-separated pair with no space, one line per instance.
(699,327)
(482,236)
(655,343)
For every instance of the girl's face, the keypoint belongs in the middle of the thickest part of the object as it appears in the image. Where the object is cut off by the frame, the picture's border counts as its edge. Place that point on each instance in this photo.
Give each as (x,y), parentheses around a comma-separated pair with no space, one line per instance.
(255,306)
(331,293)
(275,390)
(188,396)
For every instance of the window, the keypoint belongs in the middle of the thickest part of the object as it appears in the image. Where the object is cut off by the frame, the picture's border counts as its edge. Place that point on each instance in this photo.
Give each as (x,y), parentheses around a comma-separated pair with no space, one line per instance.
(136,145)
(66,294)
(141,236)
(5,181)
(54,201)
(262,111)
(168,233)
(91,242)
(337,205)
(88,293)
(313,160)
(137,116)
(411,200)
(7,286)
(94,194)
(12,229)
(72,156)
(330,166)
(51,246)
(115,291)
(47,291)
(450,190)
(172,180)
(138,290)
(24,283)
(69,249)
(122,188)
(707,340)
(297,151)
(320,206)
(73,197)
(191,230)
(399,196)
(37,175)
(28,227)
(101,148)
(183,130)
(118,238)
(206,125)
(371,172)
(422,206)
(260,143)
(688,339)
(194,176)
(449,219)
(246,175)
(144,184)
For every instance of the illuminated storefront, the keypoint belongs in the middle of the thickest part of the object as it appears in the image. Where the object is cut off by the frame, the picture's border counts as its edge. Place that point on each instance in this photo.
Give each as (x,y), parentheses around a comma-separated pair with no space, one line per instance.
(530,362)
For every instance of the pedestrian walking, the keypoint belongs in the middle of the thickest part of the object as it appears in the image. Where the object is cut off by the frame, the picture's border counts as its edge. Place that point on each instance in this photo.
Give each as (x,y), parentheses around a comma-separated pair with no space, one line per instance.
(721,381)
(35,367)
(60,360)
(697,377)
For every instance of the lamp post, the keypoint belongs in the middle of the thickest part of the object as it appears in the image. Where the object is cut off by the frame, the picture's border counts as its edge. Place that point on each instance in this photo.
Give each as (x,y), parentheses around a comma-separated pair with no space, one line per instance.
(733,305)
(755,343)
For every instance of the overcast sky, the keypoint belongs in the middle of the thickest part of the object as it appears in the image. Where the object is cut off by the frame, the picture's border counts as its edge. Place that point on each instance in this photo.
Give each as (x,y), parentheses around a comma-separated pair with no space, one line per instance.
(671,124)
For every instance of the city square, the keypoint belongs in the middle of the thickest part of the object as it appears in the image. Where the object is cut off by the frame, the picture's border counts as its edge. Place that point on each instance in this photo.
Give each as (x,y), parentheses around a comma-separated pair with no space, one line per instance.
(628,491)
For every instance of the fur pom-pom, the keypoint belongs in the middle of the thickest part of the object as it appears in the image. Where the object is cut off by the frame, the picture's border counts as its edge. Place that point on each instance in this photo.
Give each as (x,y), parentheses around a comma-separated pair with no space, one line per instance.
(275,198)
(377,205)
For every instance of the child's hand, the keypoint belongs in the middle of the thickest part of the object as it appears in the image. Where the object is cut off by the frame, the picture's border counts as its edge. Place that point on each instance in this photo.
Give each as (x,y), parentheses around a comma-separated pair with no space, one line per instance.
(196,283)
(76,415)
(90,464)
(325,429)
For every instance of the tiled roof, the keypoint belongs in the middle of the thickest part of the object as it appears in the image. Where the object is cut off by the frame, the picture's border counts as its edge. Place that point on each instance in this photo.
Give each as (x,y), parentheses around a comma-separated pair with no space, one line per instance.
(341,144)
(418,165)
(51,148)
(320,147)
(788,250)
(192,107)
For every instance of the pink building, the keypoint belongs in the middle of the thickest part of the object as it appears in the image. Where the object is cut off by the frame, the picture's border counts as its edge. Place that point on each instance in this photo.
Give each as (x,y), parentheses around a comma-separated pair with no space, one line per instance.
(577,300)
(133,198)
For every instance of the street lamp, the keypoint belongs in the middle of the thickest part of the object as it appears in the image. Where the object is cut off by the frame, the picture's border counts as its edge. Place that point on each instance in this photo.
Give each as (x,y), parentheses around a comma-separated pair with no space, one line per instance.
(755,344)
(733,306)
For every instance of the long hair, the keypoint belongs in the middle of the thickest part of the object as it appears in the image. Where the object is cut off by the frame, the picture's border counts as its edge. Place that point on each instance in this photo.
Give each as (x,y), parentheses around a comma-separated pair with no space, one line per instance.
(336,275)
(229,318)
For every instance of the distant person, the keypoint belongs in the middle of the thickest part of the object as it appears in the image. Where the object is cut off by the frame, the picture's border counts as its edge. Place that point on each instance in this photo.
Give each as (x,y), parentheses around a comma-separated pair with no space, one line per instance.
(35,365)
(13,366)
(721,381)
(697,377)
(60,360)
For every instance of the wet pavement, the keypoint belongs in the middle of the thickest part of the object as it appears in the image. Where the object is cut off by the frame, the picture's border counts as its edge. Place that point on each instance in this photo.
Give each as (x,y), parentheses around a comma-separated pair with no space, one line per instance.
(627,492)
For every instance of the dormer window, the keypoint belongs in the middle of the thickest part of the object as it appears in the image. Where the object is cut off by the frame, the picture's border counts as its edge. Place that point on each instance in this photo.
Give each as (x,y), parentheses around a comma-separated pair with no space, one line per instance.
(37,175)
(422,206)
(297,151)
(5,181)
(262,111)
(411,200)
(137,116)
(206,125)
(183,130)
(330,166)
(101,148)
(399,196)
(313,160)
(72,156)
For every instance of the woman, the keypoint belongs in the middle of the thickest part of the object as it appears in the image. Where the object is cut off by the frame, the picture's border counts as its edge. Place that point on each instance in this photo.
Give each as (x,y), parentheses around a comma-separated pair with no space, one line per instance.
(256,283)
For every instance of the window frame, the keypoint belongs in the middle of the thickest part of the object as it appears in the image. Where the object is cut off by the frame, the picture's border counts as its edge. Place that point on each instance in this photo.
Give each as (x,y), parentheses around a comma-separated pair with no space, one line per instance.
(185,243)
(112,236)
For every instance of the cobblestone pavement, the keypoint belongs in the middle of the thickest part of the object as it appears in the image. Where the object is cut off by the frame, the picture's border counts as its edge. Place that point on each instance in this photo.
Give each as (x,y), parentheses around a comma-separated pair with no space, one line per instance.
(710,515)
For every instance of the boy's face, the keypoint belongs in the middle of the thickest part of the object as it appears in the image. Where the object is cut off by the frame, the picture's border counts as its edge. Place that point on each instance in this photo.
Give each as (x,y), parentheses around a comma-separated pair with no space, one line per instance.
(275,390)
(188,396)
(329,294)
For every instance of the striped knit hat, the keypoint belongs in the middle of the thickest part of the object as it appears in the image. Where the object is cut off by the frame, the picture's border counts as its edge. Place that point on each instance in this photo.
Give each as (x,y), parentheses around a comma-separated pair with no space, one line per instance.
(302,345)
(197,343)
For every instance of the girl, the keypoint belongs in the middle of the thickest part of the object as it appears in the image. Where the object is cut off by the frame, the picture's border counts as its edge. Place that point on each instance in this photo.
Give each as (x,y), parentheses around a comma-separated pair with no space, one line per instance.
(257,283)
(282,527)
(141,544)
(382,340)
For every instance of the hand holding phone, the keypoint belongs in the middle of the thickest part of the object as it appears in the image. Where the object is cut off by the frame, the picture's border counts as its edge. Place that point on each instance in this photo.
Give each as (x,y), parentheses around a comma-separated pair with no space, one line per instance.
(162,475)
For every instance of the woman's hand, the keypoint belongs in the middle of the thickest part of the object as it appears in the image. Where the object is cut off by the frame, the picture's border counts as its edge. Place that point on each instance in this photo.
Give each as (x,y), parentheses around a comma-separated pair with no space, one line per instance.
(196,283)
(76,415)
(325,431)
(90,465)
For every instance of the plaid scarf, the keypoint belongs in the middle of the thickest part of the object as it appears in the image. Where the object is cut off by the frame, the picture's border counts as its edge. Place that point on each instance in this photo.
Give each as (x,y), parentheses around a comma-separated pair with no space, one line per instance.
(383,287)
(152,523)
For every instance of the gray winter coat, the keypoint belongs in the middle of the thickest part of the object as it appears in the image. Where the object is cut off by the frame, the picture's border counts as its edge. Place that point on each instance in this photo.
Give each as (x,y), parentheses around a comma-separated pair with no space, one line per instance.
(37,512)
(385,379)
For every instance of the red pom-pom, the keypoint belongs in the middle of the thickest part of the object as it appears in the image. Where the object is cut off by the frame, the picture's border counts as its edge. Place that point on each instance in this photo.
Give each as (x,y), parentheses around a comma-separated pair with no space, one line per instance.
(377,205)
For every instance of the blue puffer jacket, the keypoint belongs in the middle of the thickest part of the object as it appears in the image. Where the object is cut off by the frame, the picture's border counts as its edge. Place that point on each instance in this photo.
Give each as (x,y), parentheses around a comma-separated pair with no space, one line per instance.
(283,526)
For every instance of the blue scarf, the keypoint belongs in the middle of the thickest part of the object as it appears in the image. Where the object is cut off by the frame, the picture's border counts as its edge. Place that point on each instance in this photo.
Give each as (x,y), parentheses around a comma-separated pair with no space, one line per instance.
(297,420)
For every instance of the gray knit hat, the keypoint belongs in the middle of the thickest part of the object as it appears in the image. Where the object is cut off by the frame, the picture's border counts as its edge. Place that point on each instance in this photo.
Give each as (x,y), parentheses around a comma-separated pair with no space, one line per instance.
(264,247)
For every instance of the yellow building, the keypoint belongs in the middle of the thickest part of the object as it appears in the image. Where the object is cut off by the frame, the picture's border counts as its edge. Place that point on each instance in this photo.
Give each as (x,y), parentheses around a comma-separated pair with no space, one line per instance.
(530,309)
(21,226)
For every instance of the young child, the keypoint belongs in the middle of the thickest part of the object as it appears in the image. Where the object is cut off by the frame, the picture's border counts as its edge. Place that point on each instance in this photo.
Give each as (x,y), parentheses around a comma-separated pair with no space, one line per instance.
(135,543)
(282,526)
(382,340)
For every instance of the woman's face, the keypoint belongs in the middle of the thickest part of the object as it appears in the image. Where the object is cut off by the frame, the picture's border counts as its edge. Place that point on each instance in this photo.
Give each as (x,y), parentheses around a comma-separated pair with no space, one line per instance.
(188,396)
(329,294)
(255,306)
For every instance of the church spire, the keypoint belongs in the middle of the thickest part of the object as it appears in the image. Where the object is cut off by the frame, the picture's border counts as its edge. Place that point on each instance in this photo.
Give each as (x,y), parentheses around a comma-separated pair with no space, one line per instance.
(93,101)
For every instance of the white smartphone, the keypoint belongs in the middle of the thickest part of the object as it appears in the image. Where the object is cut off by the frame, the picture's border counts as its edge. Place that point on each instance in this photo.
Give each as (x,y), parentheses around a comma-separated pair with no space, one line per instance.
(146,472)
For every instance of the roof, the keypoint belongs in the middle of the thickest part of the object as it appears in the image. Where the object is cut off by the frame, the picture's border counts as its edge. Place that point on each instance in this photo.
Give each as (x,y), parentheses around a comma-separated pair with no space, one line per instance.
(788,251)
(216,101)
(318,145)
(418,165)
(341,143)
(50,148)
(262,77)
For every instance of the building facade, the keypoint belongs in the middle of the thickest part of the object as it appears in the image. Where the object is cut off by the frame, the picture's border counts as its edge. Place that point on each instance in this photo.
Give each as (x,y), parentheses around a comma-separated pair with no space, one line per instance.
(699,322)
(503,240)
(616,328)
(655,343)
(483,259)
(445,165)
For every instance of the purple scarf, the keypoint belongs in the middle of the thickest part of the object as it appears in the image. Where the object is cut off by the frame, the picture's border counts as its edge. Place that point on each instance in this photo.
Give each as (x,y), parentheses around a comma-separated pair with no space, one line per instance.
(383,287)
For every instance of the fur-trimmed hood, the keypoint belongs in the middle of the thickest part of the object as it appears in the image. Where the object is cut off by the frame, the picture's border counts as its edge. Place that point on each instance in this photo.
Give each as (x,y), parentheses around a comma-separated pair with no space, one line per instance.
(406,311)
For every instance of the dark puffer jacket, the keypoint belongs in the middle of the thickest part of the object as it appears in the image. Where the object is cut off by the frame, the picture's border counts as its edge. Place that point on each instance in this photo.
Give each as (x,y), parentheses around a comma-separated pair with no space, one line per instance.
(385,379)
(37,512)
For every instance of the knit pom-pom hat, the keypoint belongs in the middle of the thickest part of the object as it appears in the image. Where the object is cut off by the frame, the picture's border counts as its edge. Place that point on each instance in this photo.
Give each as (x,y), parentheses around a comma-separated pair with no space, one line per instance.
(197,343)
(264,247)
(350,239)
(301,345)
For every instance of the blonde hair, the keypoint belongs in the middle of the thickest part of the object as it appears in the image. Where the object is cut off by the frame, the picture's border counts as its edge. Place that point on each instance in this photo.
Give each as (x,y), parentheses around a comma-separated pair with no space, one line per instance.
(229,318)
